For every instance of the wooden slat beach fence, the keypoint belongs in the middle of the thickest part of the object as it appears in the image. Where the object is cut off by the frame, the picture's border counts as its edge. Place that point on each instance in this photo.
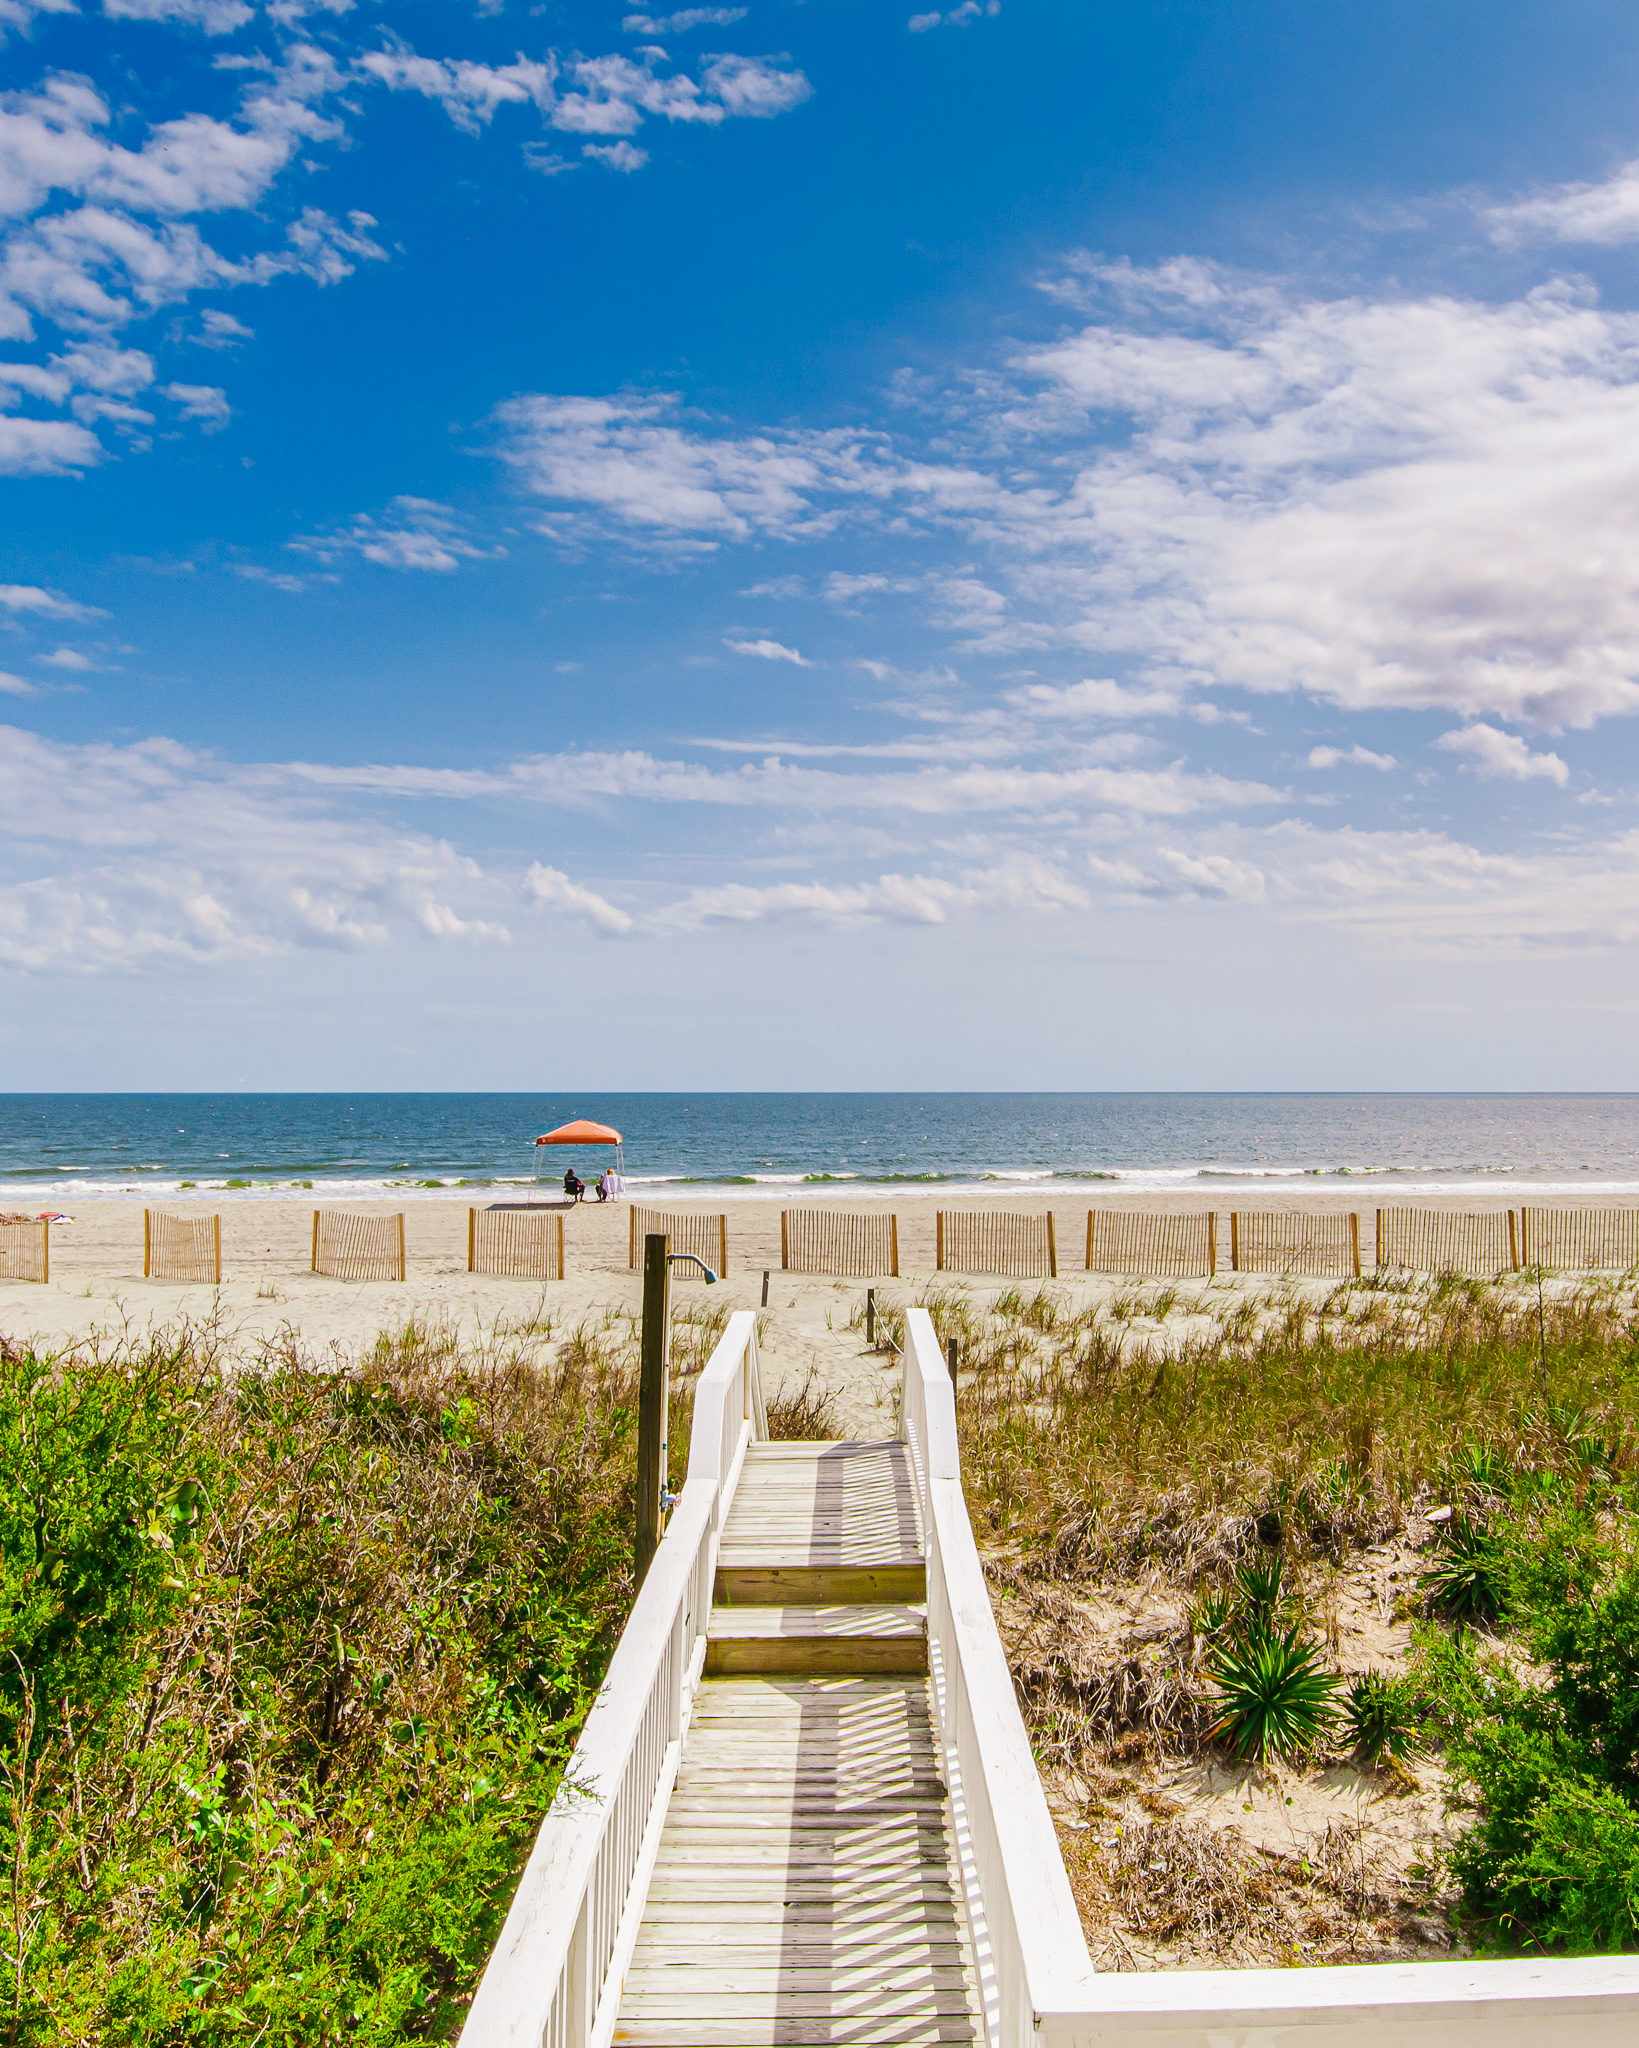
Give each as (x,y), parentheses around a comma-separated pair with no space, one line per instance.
(1128,1242)
(1289,1241)
(1011,1243)
(511,1244)
(699,1231)
(25,1250)
(1580,1240)
(349,1247)
(863,1247)
(183,1249)
(1439,1241)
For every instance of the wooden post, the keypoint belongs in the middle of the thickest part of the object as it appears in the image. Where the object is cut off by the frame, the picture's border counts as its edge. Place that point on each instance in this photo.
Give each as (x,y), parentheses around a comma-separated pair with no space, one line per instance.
(652,1403)
(1234,1241)
(1354,1239)
(147,1244)
(1524,1236)
(765,1286)
(631,1235)
(560,1247)
(870,1317)
(401,1244)
(785,1253)
(722,1245)
(1089,1240)
(1513,1243)
(472,1240)
(939,1240)
(893,1238)
(1212,1244)
(216,1233)
(45,1248)
(1052,1249)
(950,1358)
(315,1240)
(1379,1240)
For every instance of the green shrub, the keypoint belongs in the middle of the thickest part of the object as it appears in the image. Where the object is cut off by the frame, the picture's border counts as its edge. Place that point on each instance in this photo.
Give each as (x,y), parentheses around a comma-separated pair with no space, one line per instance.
(1379,1717)
(290,1662)
(1466,1581)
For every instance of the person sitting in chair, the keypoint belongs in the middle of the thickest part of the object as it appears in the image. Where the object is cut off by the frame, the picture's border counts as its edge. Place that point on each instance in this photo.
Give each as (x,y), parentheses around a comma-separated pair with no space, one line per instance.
(573,1186)
(606,1184)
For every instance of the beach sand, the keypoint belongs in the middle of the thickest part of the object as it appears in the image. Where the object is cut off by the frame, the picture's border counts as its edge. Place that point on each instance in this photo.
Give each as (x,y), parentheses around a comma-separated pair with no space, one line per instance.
(97,1288)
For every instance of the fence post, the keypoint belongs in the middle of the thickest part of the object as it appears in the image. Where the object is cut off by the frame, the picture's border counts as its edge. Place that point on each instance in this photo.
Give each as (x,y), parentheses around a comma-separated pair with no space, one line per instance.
(652,1403)
(785,1254)
(765,1284)
(147,1245)
(315,1240)
(1234,1241)
(216,1234)
(893,1233)
(870,1317)
(950,1357)
(1212,1244)
(401,1244)
(1513,1243)
(938,1240)
(45,1248)
(1052,1249)
(1354,1239)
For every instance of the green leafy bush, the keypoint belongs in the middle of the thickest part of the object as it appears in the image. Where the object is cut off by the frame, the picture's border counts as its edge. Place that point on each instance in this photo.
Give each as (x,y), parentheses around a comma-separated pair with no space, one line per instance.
(1466,1582)
(290,1662)
(1379,1717)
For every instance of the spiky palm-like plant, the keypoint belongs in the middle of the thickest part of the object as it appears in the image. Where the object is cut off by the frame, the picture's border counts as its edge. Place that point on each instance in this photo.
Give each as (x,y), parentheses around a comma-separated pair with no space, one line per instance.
(1276,1699)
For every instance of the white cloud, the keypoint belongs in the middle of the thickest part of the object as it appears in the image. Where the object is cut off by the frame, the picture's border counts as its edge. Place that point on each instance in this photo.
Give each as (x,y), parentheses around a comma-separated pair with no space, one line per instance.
(681,23)
(215,17)
(608,96)
(1095,698)
(222,330)
(618,156)
(1030,886)
(416,533)
(1379,502)
(1606,212)
(627,458)
(553,887)
(769,650)
(469,93)
(754,87)
(20,14)
(69,658)
(201,402)
(1503,756)
(1350,757)
(17,686)
(43,604)
(46,448)
(958,17)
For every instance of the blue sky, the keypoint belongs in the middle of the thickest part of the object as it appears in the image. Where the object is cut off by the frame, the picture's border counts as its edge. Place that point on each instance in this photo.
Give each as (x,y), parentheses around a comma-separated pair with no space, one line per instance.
(818,545)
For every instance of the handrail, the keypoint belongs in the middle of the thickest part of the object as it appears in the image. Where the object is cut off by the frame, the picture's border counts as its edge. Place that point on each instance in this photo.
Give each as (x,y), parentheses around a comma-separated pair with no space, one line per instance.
(1045,1987)
(554,1978)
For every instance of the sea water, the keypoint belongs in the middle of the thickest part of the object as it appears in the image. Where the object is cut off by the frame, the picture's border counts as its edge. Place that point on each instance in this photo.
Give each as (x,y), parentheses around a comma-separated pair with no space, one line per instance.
(363,1145)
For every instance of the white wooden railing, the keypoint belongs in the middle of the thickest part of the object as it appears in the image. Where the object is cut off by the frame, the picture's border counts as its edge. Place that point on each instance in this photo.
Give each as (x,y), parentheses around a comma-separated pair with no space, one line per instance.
(1039,1983)
(554,1980)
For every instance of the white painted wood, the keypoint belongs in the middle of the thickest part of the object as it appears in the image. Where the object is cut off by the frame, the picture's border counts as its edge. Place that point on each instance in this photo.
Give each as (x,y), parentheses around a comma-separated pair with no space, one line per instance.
(552,1980)
(1023,1920)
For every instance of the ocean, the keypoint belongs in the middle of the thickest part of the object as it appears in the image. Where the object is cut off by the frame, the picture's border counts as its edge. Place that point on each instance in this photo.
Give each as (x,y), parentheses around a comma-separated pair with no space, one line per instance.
(246,1146)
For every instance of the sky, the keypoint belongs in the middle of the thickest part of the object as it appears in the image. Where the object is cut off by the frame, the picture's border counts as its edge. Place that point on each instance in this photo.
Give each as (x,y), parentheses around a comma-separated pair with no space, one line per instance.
(819,544)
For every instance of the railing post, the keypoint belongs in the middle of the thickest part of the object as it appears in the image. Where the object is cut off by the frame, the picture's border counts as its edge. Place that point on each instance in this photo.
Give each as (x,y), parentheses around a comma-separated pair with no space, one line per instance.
(652,1403)
(577,1989)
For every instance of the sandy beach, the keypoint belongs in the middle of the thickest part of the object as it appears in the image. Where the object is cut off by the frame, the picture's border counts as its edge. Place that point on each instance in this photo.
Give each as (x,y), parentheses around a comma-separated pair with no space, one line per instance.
(97,1287)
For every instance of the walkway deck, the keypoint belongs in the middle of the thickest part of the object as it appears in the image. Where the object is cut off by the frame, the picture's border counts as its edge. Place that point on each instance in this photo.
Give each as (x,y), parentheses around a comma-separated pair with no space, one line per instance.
(806,1889)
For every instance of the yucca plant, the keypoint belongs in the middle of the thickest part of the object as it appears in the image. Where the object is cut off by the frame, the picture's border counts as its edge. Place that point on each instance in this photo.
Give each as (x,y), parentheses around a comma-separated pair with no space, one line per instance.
(1276,1699)
(1258,1590)
(1465,1582)
(1377,1718)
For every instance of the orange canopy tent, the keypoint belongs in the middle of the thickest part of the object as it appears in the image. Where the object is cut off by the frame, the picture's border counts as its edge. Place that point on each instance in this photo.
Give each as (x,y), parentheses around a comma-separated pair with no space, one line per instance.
(582,1131)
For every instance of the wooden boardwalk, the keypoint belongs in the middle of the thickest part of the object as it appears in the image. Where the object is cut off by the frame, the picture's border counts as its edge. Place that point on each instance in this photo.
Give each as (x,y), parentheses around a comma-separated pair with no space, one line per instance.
(806,1889)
